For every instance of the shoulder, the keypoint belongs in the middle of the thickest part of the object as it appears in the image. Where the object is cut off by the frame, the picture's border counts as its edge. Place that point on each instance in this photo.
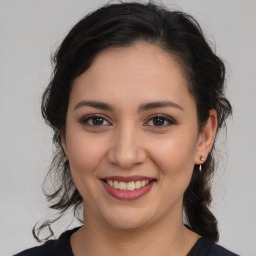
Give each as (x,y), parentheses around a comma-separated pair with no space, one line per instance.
(205,247)
(60,246)
(219,250)
(44,249)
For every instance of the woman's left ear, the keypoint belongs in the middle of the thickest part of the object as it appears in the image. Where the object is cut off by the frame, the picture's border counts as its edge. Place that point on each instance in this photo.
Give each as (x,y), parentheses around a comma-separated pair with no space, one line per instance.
(206,137)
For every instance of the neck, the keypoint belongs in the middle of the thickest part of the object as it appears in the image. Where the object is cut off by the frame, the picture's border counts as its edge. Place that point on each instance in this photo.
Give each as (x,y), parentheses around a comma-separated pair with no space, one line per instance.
(165,237)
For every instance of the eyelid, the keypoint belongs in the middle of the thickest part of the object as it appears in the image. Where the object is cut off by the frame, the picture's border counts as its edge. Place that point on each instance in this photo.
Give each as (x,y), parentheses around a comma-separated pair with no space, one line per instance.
(170,120)
(84,119)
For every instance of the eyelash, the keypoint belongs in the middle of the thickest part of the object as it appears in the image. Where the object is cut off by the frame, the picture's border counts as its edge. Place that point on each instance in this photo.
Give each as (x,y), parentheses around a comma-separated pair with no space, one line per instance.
(85,120)
(167,121)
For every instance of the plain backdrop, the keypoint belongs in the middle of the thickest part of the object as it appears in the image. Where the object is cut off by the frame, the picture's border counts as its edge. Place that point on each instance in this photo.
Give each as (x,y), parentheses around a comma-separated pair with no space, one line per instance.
(30,30)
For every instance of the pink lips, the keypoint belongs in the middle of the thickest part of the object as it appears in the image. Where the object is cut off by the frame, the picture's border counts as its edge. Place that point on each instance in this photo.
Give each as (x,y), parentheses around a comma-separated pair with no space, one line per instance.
(128,195)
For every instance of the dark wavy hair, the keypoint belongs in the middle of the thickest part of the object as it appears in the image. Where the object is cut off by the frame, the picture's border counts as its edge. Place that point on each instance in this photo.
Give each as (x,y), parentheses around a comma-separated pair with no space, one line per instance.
(121,25)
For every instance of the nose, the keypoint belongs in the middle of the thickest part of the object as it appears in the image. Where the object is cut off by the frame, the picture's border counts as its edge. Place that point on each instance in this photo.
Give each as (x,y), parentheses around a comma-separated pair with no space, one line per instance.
(126,149)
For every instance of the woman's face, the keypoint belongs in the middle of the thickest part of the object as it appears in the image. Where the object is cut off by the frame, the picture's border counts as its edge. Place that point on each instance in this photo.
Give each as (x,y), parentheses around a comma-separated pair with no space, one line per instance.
(132,137)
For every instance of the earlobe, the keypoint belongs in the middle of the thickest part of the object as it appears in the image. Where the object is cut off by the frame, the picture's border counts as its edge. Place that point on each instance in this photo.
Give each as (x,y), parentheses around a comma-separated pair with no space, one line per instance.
(206,137)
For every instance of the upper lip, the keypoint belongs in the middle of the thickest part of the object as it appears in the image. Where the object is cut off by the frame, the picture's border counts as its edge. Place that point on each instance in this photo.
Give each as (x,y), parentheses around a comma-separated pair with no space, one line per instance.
(128,178)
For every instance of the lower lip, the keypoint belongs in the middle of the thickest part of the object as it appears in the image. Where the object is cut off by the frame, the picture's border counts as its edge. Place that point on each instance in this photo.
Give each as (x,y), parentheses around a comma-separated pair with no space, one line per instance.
(127,195)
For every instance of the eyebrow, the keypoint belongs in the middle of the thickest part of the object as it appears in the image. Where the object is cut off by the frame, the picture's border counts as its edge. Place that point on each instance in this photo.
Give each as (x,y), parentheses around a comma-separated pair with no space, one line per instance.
(159,104)
(94,104)
(143,107)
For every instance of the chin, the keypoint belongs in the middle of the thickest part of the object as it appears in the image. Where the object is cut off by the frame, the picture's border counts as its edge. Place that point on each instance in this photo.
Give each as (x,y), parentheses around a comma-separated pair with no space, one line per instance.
(127,219)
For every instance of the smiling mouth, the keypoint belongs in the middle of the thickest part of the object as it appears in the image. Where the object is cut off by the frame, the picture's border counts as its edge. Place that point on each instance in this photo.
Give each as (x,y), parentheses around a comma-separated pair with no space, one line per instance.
(128,186)
(130,183)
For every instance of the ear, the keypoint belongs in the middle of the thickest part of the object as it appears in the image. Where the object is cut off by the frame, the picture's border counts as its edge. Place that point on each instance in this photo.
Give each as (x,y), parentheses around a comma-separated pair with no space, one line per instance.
(206,138)
(63,143)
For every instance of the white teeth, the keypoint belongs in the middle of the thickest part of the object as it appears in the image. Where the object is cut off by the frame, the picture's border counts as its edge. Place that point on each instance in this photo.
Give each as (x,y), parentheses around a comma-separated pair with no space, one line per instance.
(137,184)
(130,186)
(115,184)
(122,185)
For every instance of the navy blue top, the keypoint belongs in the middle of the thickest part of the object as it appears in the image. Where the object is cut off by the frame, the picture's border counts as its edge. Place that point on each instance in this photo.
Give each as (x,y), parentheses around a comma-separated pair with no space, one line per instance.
(62,247)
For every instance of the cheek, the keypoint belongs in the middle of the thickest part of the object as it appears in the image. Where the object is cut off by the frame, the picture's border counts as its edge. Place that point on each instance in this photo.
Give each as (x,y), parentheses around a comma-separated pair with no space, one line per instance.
(85,153)
(174,157)
(175,151)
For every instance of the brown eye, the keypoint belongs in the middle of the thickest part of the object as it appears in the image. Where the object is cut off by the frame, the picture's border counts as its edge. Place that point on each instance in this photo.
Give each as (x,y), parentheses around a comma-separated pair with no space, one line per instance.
(97,120)
(158,121)
(94,120)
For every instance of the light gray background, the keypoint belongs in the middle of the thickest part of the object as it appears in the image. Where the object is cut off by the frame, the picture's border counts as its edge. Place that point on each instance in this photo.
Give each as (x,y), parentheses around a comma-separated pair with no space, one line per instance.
(31,29)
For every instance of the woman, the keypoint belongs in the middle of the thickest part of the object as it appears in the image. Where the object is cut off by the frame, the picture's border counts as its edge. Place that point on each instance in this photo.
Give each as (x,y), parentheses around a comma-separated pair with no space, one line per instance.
(135,103)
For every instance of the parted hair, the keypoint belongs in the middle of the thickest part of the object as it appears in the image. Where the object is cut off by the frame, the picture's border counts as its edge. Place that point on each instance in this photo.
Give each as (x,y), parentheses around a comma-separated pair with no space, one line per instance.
(121,25)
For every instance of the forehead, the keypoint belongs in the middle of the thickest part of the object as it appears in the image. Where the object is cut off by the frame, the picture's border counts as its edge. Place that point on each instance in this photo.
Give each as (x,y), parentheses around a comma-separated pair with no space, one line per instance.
(142,72)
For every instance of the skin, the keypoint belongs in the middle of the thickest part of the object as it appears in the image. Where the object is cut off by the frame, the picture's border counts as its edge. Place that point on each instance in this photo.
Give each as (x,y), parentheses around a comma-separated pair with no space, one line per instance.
(127,142)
